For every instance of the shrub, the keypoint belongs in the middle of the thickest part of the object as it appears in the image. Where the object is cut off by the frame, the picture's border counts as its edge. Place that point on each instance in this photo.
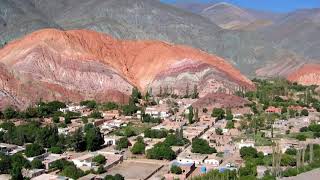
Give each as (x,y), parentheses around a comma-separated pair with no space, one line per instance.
(33,150)
(122,143)
(301,137)
(202,146)
(100,159)
(175,169)
(248,152)
(56,150)
(218,113)
(37,164)
(161,151)
(304,112)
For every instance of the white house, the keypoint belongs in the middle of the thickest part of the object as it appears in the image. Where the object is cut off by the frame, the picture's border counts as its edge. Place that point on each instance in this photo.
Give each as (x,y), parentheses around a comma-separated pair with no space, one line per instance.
(186,157)
(245,144)
(213,161)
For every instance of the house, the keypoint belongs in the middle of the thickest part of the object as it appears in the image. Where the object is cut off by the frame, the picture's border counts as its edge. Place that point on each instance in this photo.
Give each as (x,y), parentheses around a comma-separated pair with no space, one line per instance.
(40,157)
(187,169)
(31,173)
(51,158)
(10,149)
(266,150)
(272,109)
(85,162)
(72,108)
(111,140)
(91,177)
(113,114)
(239,112)
(245,144)
(50,177)
(188,157)
(213,161)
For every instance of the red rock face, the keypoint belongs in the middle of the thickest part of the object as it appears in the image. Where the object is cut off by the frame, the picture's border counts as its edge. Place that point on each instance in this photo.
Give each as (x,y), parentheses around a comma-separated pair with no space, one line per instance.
(81,64)
(308,74)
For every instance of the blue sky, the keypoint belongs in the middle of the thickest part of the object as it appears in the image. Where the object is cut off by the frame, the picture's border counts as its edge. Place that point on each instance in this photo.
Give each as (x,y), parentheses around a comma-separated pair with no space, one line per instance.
(266,5)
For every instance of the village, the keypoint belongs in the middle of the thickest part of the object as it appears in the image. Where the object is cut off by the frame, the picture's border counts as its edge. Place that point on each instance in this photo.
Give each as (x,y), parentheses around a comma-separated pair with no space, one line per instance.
(264,134)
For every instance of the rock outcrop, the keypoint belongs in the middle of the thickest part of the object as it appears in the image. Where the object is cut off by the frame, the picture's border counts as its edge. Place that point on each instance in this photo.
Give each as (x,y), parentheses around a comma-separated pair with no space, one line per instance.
(81,64)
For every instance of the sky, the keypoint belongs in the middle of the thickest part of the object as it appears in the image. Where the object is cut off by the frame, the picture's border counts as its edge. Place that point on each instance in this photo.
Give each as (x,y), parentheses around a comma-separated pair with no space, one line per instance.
(265,5)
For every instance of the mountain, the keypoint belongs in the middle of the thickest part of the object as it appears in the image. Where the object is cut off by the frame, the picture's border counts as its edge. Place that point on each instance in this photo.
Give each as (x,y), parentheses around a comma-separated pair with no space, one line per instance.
(81,64)
(228,16)
(309,74)
(297,31)
(19,17)
(152,19)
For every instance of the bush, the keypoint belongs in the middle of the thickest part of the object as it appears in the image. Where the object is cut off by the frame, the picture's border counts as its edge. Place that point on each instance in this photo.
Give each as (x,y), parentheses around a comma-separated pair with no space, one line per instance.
(139,147)
(115,177)
(304,112)
(161,151)
(288,160)
(202,146)
(56,119)
(100,159)
(100,170)
(218,113)
(122,143)
(290,172)
(56,150)
(230,125)
(154,133)
(248,152)
(96,115)
(291,151)
(110,106)
(301,137)
(34,150)
(219,131)
(304,129)
(37,164)
(89,104)
(175,169)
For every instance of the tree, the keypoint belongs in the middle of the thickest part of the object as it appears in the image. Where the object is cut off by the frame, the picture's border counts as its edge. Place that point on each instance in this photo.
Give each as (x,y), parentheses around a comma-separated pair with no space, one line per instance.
(190,115)
(55,150)
(37,164)
(99,159)
(91,104)
(195,93)
(301,137)
(229,115)
(122,143)
(139,147)
(67,119)
(34,150)
(230,125)
(77,141)
(115,177)
(202,146)
(161,151)
(218,113)
(291,151)
(219,131)
(94,139)
(248,152)
(16,173)
(204,110)
(101,170)
(288,160)
(304,112)
(72,171)
(175,169)
(284,110)
(96,115)
(154,133)
(56,119)
(10,113)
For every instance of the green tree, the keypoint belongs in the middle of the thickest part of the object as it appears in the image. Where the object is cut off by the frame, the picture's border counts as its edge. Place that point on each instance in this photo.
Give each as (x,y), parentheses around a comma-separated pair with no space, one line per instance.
(229,115)
(91,104)
(94,139)
(10,113)
(122,143)
(37,164)
(175,169)
(218,113)
(230,125)
(195,93)
(96,115)
(99,159)
(202,146)
(190,115)
(16,173)
(304,112)
(139,147)
(219,131)
(56,150)
(56,119)
(77,141)
(101,170)
(34,150)
(301,137)
(248,152)
(161,151)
